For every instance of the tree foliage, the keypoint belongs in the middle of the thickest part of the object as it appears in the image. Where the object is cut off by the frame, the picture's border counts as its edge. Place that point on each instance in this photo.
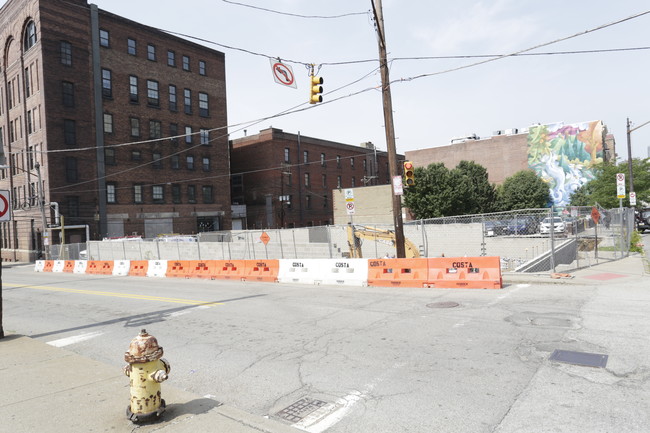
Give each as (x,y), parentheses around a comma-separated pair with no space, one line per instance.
(602,189)
(440,192)
(523,190)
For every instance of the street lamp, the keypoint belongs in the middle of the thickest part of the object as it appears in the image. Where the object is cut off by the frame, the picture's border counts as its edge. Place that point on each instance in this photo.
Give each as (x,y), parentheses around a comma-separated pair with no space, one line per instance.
(629,151)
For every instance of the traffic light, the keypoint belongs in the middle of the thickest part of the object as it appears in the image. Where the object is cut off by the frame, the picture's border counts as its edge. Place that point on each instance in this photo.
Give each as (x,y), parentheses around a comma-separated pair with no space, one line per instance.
(409,178)
(316,89)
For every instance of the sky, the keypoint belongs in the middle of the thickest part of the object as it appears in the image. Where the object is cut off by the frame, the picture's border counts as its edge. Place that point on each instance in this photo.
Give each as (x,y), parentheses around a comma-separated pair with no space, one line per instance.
(512,92)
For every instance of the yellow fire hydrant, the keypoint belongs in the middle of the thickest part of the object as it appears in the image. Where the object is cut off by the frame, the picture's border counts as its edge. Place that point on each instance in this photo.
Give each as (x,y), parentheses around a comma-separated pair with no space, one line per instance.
(147,369)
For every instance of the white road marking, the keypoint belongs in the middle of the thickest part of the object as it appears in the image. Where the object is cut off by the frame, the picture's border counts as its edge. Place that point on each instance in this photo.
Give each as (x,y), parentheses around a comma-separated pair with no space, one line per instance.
(74,339)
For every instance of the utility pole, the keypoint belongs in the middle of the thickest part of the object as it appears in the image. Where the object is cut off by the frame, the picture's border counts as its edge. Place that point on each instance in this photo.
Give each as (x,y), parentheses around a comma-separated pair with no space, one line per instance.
(389,127)
(629,131)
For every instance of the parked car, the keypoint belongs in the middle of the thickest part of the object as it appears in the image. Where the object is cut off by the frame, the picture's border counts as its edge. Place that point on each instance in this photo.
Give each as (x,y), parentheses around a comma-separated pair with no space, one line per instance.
(522,225)
(642,219)
(495,227)
(557,223)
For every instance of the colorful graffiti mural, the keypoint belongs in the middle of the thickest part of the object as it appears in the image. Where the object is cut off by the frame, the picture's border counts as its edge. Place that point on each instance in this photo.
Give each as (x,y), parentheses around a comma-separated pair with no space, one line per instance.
(564,156)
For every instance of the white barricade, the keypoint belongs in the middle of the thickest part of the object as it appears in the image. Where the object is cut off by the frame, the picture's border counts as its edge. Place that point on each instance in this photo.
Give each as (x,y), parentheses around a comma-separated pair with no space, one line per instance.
(40,264)
(80,266)
(157,268)
(346,272)
(121,267)
(306,271)
(58,266)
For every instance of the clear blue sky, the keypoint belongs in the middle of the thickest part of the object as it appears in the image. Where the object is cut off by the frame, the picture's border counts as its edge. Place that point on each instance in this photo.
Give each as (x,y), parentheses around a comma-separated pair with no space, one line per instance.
(429,111)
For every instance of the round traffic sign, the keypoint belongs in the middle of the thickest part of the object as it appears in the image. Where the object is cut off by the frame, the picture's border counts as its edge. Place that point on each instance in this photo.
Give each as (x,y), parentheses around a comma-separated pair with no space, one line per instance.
(350,205)
(4,205)
(283,74)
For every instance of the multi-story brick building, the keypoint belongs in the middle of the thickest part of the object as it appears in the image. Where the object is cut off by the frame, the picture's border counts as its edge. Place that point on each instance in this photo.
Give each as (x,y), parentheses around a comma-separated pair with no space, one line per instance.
(124,125)
(286,180)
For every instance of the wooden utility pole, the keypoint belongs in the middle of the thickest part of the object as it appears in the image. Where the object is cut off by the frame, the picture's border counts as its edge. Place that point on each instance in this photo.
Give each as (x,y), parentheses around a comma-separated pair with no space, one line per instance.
(389,127)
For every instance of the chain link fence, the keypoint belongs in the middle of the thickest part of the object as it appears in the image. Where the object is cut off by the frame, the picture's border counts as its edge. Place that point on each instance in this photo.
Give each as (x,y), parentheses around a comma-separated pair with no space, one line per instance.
(531,240)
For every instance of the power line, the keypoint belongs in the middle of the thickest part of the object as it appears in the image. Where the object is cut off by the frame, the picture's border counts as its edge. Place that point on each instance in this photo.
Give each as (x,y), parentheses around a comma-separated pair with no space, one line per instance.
(297,15)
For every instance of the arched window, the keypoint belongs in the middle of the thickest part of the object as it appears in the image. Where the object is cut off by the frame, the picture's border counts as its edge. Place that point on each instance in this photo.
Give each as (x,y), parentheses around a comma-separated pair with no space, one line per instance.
(30,36)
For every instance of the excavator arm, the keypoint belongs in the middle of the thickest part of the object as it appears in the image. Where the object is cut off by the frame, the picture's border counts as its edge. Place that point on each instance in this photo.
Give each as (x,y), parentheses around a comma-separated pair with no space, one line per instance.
(357,233)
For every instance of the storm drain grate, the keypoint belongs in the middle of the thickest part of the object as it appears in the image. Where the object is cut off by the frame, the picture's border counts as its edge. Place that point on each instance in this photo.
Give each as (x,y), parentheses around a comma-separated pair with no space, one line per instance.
(300,409)
(579,358)
(447,304)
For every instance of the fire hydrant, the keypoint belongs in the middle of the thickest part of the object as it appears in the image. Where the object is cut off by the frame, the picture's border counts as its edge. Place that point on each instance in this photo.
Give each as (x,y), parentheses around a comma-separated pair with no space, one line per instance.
(146,369)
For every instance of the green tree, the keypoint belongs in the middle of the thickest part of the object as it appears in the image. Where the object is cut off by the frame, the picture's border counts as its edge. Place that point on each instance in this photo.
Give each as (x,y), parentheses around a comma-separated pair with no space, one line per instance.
(523,190)
(602,189)
(479,194)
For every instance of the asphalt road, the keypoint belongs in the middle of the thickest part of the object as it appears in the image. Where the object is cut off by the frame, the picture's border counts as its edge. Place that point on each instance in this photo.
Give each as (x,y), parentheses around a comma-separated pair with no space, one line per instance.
(376,359)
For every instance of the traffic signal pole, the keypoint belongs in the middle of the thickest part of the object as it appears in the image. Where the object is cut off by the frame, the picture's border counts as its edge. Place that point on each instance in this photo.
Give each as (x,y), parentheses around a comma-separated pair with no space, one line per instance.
(390,129)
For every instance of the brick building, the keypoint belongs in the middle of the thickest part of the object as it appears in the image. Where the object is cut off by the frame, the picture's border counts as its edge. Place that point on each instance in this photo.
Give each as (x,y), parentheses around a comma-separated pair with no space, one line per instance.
(124,125)
(286,180)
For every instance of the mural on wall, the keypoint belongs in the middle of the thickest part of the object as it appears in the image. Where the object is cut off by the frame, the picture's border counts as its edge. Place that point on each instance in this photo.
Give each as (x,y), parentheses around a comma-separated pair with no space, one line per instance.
(564,156)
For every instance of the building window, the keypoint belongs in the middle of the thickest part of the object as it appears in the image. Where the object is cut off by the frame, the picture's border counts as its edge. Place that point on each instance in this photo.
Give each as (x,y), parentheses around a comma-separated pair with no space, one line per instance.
(70,132)
(352,162)
(325,200)
(191,193)
(206,191)
(71,174)
(28,83)
(30,36)
(354,182)
(338,182)
(338,161)
(152,93)
(109,156)
(68,94)
(110,193)
(324,178)
(206,163)
(186,63)
(73,206)
(365,166)
(173,105)
(189,161)
(133,88)
(173,133)
(107,84)
(204,106)
(188,134)
(131,47)
(175,162)
(137,193)
(286,155)
(108,123)
(187,101)
(135,127)
(158,193)
(157,160)
(176,193)
(204,134)
(308,202)
(104,38)
(305,157)
(202,67)
(66,53)
(322,160)
(155,129)
(136,155)
(151,52)
(306,179)
(171,58)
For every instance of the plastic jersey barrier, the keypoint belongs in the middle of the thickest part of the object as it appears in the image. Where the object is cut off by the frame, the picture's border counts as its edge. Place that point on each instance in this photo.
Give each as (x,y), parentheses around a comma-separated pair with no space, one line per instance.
(306,271)
(205,269)
(121,268)
(69,266)
(465,272)
(178,269)
(157,268)
(138,268)
(262,270)
(397,272)
(49,264)
(80,266)
(58,266)
(39,265)
(350,272)
(230,269)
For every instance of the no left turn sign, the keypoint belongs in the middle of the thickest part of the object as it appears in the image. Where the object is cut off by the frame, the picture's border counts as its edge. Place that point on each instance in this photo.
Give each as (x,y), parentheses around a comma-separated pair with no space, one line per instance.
(283,74)
(5,208)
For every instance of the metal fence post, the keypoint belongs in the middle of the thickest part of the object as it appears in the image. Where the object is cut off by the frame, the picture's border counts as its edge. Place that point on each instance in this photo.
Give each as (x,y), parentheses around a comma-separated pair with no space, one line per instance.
(295,249)
(552,220)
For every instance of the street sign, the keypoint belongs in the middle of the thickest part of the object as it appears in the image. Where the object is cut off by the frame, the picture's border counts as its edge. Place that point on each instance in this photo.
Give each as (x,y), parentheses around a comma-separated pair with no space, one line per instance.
(398,186)
(283,74)
(349,194)
(349,207)
(265,238)
(595,215)
(5,207)
(620,185)
(632,198)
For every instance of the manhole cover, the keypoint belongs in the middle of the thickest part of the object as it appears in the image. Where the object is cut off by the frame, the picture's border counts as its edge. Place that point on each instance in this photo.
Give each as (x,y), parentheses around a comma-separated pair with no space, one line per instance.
(300,409)
(447,304)
(579,358)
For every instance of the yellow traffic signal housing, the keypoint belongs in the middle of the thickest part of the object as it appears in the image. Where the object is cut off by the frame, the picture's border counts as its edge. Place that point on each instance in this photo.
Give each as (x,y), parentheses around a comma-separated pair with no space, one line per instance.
(409,177)
(316,89)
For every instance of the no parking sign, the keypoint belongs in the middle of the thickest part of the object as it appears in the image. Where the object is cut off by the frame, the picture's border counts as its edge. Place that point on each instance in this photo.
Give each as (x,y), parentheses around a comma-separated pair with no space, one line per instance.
(5,208)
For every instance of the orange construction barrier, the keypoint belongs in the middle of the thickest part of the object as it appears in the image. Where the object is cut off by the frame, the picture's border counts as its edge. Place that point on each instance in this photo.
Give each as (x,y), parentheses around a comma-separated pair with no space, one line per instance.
(138,268)
(178,269)
(262,270)
(230,269)
(206,269)
(397,272)
(465,273)
(100,267)
(49,264)
(69,266)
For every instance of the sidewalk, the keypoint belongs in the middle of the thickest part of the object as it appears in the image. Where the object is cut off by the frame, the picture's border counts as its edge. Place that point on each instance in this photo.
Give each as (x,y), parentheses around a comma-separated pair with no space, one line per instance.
(51,390)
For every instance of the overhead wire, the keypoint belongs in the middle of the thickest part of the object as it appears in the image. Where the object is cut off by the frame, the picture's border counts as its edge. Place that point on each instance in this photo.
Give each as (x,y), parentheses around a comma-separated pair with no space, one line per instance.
(297,15)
